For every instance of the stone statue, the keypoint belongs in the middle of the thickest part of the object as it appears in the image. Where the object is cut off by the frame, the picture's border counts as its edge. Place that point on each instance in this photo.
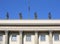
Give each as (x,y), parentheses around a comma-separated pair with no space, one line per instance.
(7,15)
(20,15)
(49,15)
(35,15)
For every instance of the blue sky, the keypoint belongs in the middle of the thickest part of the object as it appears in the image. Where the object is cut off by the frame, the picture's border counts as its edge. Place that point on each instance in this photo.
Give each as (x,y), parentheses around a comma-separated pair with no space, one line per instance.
(42,7)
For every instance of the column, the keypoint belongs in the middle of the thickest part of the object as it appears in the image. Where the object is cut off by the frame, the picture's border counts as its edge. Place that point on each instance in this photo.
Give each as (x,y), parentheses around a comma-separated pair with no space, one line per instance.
(21,37)
(6,37)
(36,38)
(50,37)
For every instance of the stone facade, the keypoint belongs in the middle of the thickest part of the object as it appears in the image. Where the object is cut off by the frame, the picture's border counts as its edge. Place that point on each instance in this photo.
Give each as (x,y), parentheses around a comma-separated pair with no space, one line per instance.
(29,31)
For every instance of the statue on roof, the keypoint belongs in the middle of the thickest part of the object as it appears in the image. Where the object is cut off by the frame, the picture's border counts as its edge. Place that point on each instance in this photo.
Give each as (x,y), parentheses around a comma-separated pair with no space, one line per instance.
(7,15)
(49,15)
(35,15)
(20,15)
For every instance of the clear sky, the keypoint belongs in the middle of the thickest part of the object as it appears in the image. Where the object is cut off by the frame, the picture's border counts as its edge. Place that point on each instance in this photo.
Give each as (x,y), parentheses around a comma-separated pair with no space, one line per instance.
(42,7)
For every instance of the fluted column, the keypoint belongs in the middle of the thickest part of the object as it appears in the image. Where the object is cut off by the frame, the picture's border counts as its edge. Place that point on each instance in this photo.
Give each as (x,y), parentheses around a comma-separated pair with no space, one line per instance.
(50,37)
(20,33)
(36,38)
(6,37)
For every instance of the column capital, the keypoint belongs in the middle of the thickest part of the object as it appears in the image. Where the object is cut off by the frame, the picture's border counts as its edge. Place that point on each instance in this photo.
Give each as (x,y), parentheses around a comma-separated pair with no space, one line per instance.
(50,31)
(36,31)
(6,30)
(20,31)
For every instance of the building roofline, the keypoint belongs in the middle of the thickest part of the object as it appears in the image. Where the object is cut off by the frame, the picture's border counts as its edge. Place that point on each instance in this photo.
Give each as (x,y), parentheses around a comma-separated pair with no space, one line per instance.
(29,22)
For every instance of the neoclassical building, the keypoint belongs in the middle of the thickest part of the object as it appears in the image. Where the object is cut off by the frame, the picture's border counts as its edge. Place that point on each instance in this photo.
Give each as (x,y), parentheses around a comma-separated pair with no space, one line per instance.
(29,31)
